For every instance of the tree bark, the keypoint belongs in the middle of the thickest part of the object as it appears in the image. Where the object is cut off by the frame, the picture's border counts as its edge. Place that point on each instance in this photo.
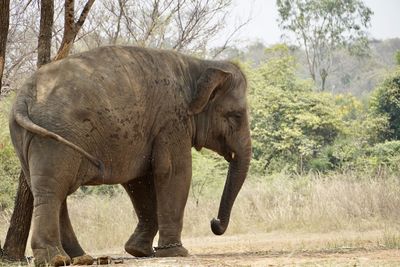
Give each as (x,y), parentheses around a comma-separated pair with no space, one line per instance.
(4,24)
(20,223)
(324,75)
(71,28)
(46,26)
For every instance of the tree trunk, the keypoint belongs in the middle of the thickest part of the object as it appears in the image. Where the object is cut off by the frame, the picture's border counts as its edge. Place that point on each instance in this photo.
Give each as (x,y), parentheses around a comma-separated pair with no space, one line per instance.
(71,28)
(46,26)
(324,75)
(20,223)
(4,23)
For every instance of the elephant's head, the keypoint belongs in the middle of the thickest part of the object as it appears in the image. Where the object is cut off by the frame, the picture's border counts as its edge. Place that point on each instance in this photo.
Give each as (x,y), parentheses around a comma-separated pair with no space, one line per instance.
(220,113)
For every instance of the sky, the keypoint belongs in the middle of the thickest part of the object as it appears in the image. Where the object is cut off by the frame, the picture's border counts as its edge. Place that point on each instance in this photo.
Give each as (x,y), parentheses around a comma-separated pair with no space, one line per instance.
(385,22)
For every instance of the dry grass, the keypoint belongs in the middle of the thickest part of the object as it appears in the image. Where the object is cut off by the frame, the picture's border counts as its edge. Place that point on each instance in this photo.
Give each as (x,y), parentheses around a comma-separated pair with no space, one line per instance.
(318,204)
(305,204)
(308,204)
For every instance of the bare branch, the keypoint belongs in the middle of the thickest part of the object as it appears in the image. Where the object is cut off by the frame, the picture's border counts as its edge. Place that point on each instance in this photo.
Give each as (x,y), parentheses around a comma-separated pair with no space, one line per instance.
(71,28)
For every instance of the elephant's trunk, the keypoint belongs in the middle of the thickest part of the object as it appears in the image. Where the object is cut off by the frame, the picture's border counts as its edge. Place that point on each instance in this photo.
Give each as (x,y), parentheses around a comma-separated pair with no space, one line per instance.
(237,173)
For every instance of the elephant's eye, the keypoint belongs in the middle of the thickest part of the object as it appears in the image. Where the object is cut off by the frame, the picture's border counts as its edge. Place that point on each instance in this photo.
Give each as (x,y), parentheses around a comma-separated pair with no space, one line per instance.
(234,114)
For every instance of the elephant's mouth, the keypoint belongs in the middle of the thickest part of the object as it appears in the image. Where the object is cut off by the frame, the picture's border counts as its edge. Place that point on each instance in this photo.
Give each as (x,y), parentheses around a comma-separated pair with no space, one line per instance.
(225,150)
(229,156)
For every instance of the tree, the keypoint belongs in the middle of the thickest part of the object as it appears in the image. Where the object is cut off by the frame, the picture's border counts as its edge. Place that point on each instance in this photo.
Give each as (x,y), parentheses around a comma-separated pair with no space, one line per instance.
(18,232)
(398,57)
(46,27)
(4,24)
(71,28)
(321,27)
(180,25)
(385,102)
(290,123)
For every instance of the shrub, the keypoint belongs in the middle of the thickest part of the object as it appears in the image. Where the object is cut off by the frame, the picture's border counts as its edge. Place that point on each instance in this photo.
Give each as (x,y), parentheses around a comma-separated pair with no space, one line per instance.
(385,102)
(9,163)
(290,122)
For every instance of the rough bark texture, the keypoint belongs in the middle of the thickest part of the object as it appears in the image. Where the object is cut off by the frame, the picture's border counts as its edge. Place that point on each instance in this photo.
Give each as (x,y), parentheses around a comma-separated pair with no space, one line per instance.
(4,23)
(71,28)
(20,223)
(46,26)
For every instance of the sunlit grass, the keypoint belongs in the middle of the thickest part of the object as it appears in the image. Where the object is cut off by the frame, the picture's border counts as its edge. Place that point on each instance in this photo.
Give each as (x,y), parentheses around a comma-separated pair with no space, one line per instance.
(391,239)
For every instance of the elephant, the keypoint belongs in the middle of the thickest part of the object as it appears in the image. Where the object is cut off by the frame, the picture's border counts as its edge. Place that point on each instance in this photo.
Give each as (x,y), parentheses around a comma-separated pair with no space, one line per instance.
(127,115)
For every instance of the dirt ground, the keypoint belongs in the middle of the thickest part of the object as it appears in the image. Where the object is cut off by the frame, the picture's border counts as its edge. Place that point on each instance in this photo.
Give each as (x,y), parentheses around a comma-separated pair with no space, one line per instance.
(277,249)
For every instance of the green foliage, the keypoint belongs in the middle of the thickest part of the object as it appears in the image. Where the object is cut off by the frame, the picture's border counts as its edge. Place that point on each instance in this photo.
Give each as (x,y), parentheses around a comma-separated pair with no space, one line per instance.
(9,163)
(398,57)
(281,66)
(290,122)
(102,190)
(385,103)
(385,155)
(208,174)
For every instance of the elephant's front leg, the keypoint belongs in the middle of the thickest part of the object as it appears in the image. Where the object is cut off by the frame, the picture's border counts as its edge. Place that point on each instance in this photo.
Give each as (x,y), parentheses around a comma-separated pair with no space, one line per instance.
(172,175)
(142,193)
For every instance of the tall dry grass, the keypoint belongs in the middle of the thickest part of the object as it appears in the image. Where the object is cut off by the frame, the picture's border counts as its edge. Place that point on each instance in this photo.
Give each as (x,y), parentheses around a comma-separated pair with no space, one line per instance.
(306,203)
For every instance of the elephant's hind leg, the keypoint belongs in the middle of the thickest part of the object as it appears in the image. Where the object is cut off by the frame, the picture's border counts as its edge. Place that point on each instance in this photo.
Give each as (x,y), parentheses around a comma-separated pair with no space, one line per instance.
(46,244)
(70,242)
(53,168)
(142,193)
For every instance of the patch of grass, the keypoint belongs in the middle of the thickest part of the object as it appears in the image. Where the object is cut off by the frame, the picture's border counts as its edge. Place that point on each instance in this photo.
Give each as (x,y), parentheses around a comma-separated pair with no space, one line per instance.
(283,203)
(9,163)
(303,204)
(391,239)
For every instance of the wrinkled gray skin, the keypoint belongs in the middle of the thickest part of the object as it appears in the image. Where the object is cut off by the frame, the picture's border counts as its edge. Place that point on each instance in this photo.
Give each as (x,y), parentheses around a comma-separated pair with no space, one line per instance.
(127,115)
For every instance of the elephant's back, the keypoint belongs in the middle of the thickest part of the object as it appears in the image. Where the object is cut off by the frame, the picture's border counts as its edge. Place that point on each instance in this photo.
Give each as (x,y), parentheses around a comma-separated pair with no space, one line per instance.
(109,77)
(108,100)
(91,101)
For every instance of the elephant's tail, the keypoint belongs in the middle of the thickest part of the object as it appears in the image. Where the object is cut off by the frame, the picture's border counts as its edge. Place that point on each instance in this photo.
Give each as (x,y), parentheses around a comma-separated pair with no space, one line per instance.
(21,116)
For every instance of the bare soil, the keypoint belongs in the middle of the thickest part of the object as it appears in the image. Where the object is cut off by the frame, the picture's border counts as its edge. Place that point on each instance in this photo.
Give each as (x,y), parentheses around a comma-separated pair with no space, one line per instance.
(277,249)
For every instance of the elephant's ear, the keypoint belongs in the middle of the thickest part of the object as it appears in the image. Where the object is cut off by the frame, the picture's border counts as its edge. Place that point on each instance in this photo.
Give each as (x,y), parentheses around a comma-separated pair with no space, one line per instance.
(209,81)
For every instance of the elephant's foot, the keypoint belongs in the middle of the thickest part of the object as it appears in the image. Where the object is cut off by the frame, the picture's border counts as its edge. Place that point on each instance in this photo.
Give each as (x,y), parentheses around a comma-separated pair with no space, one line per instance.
(52,256)
(139,251)
(140,244)
(139,248)
(176,251)
(83,260)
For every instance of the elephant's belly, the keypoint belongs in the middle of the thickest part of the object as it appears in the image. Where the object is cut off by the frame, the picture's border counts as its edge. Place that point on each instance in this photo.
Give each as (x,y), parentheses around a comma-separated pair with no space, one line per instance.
(119,171)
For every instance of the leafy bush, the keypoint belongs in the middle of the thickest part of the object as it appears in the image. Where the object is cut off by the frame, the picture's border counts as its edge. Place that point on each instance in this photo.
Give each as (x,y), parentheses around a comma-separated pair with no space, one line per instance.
(9,163)
(385,156)
(290,122)
(101,190)
(208,174)
(385,102)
